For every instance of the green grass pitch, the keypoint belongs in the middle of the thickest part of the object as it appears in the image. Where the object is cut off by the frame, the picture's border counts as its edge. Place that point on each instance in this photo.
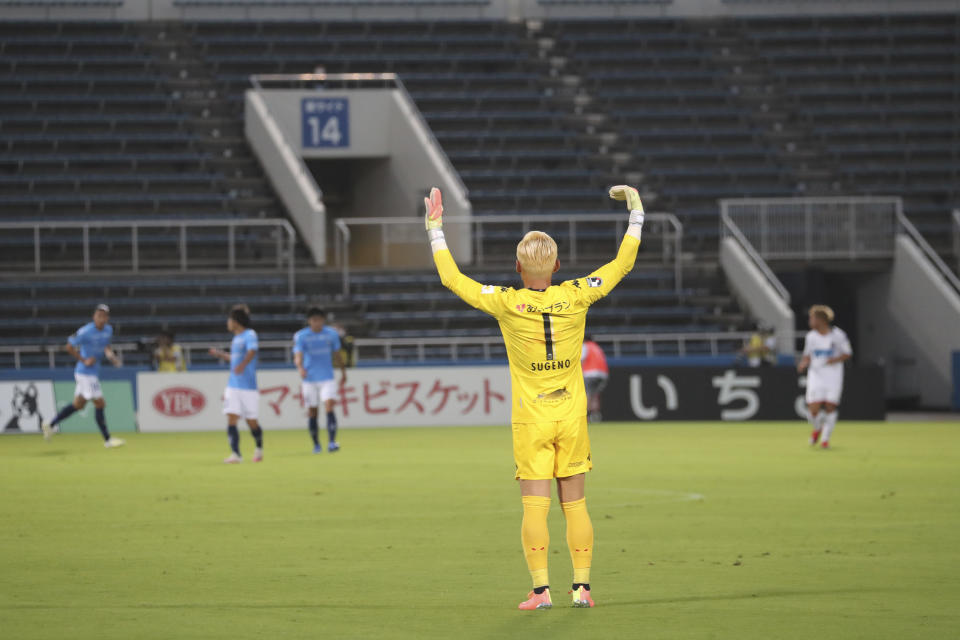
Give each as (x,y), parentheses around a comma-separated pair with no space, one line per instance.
(703,531)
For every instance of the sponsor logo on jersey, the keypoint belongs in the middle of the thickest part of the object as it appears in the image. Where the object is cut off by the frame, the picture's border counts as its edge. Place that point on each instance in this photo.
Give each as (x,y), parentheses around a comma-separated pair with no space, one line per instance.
(555,396)
(823,353)
(593,282)
(551,365)
(488,288)
(179,402)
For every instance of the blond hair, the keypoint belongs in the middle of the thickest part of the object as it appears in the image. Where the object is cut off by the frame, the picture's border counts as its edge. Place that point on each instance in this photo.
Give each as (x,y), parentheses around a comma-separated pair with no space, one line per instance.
(823,311)
(537,254)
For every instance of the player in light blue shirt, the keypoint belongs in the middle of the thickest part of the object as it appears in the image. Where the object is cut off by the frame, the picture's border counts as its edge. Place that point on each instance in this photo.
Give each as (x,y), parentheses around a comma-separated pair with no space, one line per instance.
(316,348)
(89,345)
(241,398)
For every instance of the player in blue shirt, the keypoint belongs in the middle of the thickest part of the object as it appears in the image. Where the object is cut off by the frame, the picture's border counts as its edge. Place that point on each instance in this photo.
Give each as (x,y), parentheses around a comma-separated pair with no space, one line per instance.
(89,345)
(241,398)
(316,348)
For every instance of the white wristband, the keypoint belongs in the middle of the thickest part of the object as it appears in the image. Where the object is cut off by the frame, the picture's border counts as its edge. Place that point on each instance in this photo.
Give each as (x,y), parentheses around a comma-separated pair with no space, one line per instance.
(635,228)
(437,241)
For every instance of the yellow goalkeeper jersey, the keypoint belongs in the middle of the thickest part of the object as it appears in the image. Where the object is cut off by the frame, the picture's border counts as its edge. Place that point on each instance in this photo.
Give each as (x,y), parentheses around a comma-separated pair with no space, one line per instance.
(543,332)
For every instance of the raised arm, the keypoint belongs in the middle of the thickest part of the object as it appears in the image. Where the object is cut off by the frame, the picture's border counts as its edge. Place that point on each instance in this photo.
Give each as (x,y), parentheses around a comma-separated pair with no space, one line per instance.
(483,297)
(602,281)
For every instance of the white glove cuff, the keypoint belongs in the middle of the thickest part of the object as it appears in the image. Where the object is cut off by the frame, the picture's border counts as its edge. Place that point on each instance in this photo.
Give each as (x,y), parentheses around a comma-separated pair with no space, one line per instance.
(636,223)
(437,241)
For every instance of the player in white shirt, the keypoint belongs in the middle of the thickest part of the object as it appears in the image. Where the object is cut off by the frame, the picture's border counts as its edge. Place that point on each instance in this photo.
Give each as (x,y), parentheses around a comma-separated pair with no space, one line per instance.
(825,350)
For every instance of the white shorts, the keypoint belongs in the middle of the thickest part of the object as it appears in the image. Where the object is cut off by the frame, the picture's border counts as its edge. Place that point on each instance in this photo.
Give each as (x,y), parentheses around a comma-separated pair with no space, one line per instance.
(242,402)
(87,387)
(824,389)
(316,392)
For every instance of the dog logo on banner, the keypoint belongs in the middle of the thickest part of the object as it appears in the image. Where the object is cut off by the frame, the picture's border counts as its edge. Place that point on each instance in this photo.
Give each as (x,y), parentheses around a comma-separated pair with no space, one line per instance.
(26,409)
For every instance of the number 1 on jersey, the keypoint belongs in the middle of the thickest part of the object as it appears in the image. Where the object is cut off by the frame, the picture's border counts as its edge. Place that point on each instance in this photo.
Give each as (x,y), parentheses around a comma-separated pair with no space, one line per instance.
(548,334)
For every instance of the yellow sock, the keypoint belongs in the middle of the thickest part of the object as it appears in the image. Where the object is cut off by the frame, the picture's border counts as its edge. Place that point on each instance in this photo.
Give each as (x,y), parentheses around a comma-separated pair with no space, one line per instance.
(536,537)
(579,538)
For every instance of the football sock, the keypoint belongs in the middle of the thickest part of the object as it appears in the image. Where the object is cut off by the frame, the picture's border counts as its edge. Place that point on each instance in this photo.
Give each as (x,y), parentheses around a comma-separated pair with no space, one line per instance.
(536,537)
(314,431)
(814,420)
(258,436)
(579,538)
(829,422)
(234,436)
(332,426)
(102,423)
(65,413)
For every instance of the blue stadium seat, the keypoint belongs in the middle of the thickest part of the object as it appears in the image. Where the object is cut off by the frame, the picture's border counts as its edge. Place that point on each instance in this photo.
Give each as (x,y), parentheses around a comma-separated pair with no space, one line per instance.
(605,2)
(62,3)
(328,3)
(177,302)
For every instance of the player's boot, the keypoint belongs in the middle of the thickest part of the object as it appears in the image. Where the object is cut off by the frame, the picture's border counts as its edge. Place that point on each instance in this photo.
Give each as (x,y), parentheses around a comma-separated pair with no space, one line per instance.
(333,446)
(536,601)
(825,444)
(258,455)
(47,430)
(814,437)
(581,598)
(232,459)
(113,443)
(318,448)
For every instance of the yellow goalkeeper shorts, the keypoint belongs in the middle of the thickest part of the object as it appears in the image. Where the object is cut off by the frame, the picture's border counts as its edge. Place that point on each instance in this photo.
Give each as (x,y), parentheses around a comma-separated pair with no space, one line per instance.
(556,449)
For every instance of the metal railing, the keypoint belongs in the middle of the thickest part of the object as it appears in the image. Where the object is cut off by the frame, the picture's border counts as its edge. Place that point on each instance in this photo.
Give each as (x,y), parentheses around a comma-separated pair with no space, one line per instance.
(670,234)
(451,348)
(849,228)
(320,9)
(285,244)
(729,228)
(124,349)
(905,226)
(816,228)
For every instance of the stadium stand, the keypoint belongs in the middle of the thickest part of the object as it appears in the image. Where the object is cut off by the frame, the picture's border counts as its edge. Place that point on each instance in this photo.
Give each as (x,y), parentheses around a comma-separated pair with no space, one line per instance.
(114,120)
(870,105)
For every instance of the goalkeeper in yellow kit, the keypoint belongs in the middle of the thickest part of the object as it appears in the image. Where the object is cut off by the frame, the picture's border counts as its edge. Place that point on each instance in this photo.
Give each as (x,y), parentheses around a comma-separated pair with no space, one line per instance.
(542,326)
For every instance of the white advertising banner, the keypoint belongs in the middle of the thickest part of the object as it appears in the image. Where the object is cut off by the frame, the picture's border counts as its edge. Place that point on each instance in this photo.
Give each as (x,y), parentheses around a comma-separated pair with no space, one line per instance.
(374,397)
(24,404)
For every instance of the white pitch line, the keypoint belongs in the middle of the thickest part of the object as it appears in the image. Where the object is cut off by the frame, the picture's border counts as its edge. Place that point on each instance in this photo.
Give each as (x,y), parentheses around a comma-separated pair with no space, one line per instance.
(667,495)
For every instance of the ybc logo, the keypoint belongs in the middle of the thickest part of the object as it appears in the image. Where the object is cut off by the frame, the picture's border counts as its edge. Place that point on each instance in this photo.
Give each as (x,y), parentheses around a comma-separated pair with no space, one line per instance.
(179,402)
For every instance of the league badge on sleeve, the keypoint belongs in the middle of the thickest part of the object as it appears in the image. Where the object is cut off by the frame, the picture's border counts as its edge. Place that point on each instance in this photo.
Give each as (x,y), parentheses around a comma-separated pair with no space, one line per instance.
(593,282)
